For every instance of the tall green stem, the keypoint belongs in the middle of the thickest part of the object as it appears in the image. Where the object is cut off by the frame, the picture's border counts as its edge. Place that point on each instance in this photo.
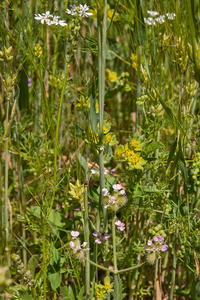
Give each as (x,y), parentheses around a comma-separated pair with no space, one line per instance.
(115,258)
(6,189)
(56,138)
(87,239)
(101,88)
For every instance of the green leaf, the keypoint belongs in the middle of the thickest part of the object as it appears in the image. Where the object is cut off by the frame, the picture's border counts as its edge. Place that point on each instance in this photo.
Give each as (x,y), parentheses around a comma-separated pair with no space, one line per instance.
(55,219)
(121,295)
(55,280)
(183,292)
(172,151)
(23,86)
(24,295)
(81,293)
(33,261)
(55,257)
(153,146)
(67,292)
(92,114)
(83,163)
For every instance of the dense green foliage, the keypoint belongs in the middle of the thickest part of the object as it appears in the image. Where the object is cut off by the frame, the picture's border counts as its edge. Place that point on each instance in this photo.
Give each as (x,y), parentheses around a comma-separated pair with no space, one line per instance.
(99,150)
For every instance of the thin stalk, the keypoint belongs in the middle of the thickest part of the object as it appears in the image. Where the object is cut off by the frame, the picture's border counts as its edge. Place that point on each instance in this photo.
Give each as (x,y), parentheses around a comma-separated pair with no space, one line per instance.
(44,258)
(56,138)
(6,228)
(173,268)
(155,278)
(87,239)
(101,88)
(115,259)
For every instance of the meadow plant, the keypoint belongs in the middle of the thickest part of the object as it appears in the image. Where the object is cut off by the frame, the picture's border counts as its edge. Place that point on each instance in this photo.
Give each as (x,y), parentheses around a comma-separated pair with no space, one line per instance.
(99,150)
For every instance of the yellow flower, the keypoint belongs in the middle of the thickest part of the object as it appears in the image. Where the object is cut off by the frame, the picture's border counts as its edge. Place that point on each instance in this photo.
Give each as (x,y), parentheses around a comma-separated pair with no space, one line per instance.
(119,151)
(136,143)
(136,161)
(100,295)
(112,76)
(108,138)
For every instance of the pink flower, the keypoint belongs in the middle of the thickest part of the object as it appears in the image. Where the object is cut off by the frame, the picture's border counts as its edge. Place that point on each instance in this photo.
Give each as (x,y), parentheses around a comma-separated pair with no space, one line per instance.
(72,244)
(149,243)
(120,225)
(164,248)
(98,241)
(104,192)
(117,187)
(160,238)
(155,239)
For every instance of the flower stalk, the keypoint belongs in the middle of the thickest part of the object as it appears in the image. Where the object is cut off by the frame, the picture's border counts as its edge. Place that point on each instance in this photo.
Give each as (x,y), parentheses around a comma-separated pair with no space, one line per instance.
(87,239)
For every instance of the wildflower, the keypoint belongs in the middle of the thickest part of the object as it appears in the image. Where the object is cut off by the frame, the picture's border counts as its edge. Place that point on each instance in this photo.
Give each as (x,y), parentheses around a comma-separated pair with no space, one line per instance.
(106,172)
(29,82)
(160,19)
(155,248)
(119,152)
(136,161)
(74,234)
(43,17)
(104,191)
(120,225)
(83,11)
(149,21)
(72,244)
(122,192)
(171,16)
(112,76)
(101,238)
(73,11)
(152,13)
(117,187)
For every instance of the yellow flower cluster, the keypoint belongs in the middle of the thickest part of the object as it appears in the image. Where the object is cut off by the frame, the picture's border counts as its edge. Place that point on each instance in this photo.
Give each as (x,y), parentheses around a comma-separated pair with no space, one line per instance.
(131,152)
(101,291)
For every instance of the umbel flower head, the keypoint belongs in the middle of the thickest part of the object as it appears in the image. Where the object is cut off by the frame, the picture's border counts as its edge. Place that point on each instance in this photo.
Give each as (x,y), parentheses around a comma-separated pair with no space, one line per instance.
(155,248)
(81,11)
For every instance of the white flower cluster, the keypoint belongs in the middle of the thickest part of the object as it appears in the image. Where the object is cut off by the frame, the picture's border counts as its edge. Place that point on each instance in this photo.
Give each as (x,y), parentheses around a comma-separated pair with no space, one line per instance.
(116,200)
(161,19)
(77,248)
(50,19)
(81,11)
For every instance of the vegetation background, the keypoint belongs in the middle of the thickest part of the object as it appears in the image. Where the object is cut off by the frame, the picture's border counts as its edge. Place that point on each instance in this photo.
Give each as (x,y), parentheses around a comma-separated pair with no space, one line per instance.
(99,149)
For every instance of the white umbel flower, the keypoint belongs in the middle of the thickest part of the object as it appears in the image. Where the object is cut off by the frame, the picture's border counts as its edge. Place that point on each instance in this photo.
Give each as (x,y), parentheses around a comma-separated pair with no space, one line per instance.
(83,11)
(152,13)
(73,11)
(43,17)
(171,16)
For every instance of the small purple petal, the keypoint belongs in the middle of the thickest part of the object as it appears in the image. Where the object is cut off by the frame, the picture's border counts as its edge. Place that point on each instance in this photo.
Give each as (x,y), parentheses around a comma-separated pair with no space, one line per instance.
(149,243)
(98,241)
(118,223)
(155,239)
(161,238)
(106,236)
(164,248)
(122,192)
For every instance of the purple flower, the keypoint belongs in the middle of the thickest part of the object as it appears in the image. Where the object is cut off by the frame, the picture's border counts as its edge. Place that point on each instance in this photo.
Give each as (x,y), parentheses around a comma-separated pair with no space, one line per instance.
(29,82)
(120,225)
(74,234)
(105,237)
(98,241)
(160,238)
(155,239)
(149,243)
(164,248)
(95,233)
